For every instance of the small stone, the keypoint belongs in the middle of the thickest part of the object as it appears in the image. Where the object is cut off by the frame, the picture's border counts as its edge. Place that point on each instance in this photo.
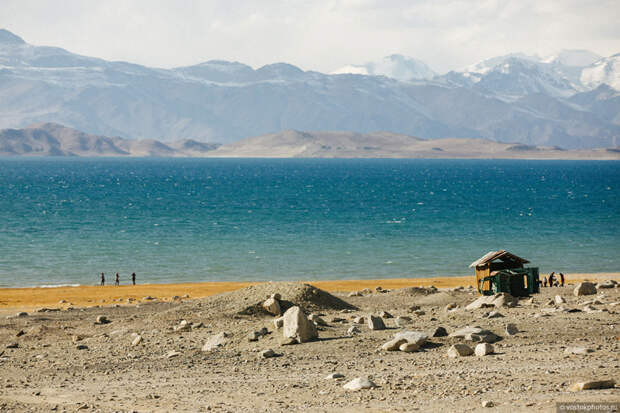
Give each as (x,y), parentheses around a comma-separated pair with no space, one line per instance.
(385,314)
(578,350)
(316,319)
(402,321)
(12,345)
(559,300)
(81,347)
(137,340)
(366,291)
(438,332)
(272,306)
(183,326)
(21,314)
(511,329)
(359,383)
(20,333)
(102,320)
(278,322)
(409,347)
(394,344)
(172,354)
(592,385)
(460,350)
(334,376)
(451,307)
(483,349)
(287,341)
(584,288)
(607,284)
(495,314)
(354,294)
(215,341)
(353,330)
(487,403)
(375,323)
(359,320)
(269,353)
(253,336)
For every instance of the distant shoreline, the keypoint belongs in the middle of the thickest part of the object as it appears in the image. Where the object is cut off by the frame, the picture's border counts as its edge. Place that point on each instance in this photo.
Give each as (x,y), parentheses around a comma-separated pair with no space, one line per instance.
(30,298)
(471,158)
(62,141)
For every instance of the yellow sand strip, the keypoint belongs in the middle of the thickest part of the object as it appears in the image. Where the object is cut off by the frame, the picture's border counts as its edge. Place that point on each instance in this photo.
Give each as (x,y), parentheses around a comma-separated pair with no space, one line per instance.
(30,298)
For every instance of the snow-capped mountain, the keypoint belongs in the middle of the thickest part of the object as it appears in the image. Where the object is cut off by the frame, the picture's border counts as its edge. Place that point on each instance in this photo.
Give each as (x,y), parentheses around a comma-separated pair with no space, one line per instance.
(395,66)
(604,71)
(515,75)
(509,99)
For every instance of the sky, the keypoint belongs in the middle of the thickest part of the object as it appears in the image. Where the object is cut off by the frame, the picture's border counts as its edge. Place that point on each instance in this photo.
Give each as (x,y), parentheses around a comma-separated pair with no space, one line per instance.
(314,35)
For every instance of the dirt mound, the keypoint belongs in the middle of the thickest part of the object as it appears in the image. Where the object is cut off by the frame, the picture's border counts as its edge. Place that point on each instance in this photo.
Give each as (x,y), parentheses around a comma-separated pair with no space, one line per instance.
(248,300)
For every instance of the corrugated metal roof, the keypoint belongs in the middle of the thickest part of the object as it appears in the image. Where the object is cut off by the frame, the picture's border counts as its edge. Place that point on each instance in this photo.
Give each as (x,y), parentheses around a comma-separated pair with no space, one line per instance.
(497,255)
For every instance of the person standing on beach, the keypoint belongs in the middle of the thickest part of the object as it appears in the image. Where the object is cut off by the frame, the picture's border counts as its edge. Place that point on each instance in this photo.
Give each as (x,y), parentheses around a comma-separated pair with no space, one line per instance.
(551,279)
(116,279)
(102,279)
(133,278)
(544,281)
(562,279)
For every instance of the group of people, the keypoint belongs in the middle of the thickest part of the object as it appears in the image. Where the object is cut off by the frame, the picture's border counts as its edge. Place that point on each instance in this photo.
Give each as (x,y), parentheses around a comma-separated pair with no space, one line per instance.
(117,279)
(553,280)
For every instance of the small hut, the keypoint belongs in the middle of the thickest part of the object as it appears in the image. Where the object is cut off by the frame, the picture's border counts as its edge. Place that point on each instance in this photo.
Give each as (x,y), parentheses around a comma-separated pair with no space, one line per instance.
(501,271)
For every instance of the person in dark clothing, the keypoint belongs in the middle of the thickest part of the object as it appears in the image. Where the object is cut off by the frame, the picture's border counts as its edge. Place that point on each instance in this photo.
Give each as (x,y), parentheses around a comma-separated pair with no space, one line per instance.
(116,279)
(133,278)
(562,279)
(544,281)
(551,279)
(102,279)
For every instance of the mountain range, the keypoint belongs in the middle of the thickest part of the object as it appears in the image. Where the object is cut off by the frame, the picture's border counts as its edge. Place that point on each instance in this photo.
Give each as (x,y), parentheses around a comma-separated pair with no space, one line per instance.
(570,100)
(51,139)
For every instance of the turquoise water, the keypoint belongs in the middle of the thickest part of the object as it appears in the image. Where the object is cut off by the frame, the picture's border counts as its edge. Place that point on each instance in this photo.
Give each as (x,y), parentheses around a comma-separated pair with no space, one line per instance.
(64,220)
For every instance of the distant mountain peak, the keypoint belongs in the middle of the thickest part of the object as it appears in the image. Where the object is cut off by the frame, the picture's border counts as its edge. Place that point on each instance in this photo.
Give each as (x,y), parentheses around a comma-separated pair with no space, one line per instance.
(395,66)
(6,37)
(573,57)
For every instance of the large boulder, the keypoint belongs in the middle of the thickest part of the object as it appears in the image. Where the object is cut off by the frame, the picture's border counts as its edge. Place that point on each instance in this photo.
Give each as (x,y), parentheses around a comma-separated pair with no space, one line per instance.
(408,340)
(272,306)
(476,334)
(297,326)
(584,288)
(375,323)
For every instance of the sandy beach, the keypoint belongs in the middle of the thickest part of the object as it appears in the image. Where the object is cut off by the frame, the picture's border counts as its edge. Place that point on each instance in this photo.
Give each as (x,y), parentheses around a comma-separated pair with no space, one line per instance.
(88,296)
(219,347)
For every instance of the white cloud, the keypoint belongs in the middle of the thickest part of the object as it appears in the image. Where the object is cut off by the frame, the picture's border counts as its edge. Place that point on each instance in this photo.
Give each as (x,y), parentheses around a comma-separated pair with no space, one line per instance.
(317,35)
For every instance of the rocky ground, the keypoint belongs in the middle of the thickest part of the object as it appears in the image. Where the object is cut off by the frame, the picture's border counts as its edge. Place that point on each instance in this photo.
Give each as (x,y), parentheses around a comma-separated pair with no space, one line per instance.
(196,355)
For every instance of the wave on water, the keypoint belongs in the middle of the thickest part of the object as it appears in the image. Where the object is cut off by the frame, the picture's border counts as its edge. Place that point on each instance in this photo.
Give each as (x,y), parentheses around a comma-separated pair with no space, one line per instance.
(54,285)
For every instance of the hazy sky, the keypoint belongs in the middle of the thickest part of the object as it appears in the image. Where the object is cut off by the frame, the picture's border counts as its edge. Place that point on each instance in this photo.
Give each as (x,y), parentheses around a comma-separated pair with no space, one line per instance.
(314,35)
